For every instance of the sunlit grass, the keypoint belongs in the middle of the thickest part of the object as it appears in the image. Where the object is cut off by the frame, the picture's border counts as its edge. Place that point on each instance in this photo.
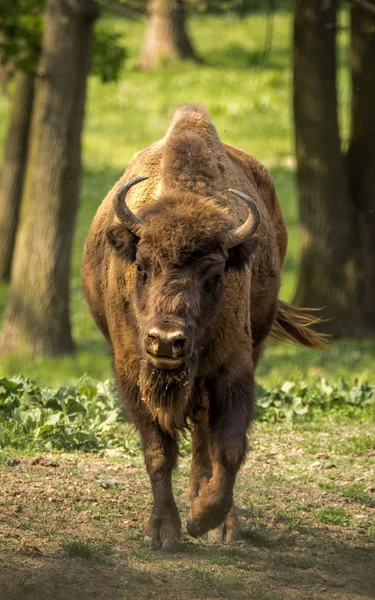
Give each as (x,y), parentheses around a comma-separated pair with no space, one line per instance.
(249,100)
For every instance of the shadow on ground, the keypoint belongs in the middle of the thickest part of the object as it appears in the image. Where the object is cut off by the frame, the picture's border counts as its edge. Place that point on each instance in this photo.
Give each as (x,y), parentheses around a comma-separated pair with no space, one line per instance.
(263,569)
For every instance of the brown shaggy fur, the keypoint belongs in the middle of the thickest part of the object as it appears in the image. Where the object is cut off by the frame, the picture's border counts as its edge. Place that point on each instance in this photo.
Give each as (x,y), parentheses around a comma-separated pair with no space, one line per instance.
(168,395)
(183,228)
(176,275)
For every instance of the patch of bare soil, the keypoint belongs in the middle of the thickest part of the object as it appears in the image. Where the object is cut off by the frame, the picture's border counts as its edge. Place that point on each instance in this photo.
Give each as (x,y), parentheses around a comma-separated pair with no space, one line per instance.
(71,527)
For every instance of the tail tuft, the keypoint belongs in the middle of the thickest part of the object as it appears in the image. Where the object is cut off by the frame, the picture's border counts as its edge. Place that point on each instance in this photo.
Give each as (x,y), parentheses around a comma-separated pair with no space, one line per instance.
(293,325)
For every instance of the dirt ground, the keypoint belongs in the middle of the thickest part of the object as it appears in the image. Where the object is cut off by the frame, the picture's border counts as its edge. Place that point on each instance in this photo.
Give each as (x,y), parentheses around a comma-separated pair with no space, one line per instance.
(71,526)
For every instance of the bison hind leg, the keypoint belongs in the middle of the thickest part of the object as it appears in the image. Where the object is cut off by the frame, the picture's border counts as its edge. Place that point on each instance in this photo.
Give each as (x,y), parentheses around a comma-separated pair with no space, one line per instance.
(229,531)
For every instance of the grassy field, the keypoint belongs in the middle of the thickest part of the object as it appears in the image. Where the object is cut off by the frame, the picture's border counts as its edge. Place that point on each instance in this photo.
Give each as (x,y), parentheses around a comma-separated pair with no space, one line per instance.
(249,101)
(71,523)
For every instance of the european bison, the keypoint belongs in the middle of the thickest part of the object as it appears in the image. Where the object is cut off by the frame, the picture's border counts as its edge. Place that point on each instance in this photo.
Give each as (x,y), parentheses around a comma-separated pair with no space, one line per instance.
(181,273)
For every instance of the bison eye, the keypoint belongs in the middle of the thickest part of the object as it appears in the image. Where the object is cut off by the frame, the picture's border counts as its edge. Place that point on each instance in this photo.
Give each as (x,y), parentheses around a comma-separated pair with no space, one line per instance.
(213,281)
(142,275)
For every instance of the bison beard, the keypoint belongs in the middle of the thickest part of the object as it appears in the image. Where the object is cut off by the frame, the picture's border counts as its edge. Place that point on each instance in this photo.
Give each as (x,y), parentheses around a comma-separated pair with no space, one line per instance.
(168,395)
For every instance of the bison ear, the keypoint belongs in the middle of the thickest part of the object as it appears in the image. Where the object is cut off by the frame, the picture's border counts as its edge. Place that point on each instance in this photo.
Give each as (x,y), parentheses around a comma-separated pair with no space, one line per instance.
(240,255)
(123,241)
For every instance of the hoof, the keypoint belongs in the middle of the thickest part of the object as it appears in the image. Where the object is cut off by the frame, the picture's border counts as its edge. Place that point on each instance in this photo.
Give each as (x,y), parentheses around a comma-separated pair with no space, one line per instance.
(170,546)
(216,535)
(229,531)
(151,542)
(221,536)
(192,529)
(231,537)
(164,531)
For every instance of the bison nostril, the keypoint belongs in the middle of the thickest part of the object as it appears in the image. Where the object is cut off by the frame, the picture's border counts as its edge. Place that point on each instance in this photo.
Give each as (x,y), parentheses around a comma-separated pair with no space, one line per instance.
(152,342)
(179,344)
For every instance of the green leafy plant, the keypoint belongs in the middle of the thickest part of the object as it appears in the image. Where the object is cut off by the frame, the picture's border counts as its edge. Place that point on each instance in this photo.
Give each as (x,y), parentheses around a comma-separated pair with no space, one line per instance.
(89,416)
(108,53)
(297,400)
(21,26)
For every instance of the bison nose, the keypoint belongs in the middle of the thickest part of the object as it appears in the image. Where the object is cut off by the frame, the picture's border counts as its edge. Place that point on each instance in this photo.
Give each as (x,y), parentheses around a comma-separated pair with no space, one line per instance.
(166,343)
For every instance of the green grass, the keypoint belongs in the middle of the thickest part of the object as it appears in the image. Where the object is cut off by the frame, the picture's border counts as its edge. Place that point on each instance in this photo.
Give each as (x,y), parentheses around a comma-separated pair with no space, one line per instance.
(358,493)
(305,533)
(85,549)
(333,516)
(78,548)
(249,101)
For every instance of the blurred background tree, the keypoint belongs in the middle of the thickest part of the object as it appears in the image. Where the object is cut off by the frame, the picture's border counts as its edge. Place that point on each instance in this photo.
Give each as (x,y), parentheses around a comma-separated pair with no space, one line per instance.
(336,189)
(21,30)
(20,43)
(361,161)
(37,319)
(166,38)
(21,46)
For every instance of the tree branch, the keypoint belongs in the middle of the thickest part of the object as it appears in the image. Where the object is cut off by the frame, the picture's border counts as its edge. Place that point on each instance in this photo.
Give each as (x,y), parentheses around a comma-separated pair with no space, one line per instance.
(365,4)
(269,32)
(131,12)
(350,29)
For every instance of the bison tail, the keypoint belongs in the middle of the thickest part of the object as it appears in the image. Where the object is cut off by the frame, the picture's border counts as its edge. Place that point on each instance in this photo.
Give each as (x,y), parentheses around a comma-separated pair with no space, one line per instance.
(293,325)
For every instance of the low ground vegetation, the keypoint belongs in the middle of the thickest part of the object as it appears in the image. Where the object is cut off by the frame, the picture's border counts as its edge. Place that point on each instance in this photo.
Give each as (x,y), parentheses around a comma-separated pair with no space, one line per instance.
(89,417)
(74,521)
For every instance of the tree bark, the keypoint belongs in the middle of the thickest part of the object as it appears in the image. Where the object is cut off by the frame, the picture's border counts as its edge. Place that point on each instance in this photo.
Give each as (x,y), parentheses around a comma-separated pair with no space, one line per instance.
(361,158)
(166,37)
(37,318)
(327,273)
(13,168)
(6,74)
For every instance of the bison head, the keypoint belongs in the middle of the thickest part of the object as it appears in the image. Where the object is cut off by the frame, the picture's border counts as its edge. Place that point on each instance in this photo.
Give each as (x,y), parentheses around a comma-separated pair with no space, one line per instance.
(181,246)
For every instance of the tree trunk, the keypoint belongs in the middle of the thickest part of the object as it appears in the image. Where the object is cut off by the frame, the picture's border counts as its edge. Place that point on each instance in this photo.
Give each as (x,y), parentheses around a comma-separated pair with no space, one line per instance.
(13,169)
(327,274)
(37,318)
(361,158)
(6,74)
(166,37)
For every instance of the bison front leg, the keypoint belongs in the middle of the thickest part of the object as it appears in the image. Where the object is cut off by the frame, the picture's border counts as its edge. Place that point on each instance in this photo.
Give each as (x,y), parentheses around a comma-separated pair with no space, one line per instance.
(160,451)
(201,468)
(200,474)
(230,409)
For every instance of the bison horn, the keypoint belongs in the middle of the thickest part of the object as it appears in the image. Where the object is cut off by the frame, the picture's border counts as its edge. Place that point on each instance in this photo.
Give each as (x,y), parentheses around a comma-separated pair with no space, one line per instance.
(123,212)
(246,230)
